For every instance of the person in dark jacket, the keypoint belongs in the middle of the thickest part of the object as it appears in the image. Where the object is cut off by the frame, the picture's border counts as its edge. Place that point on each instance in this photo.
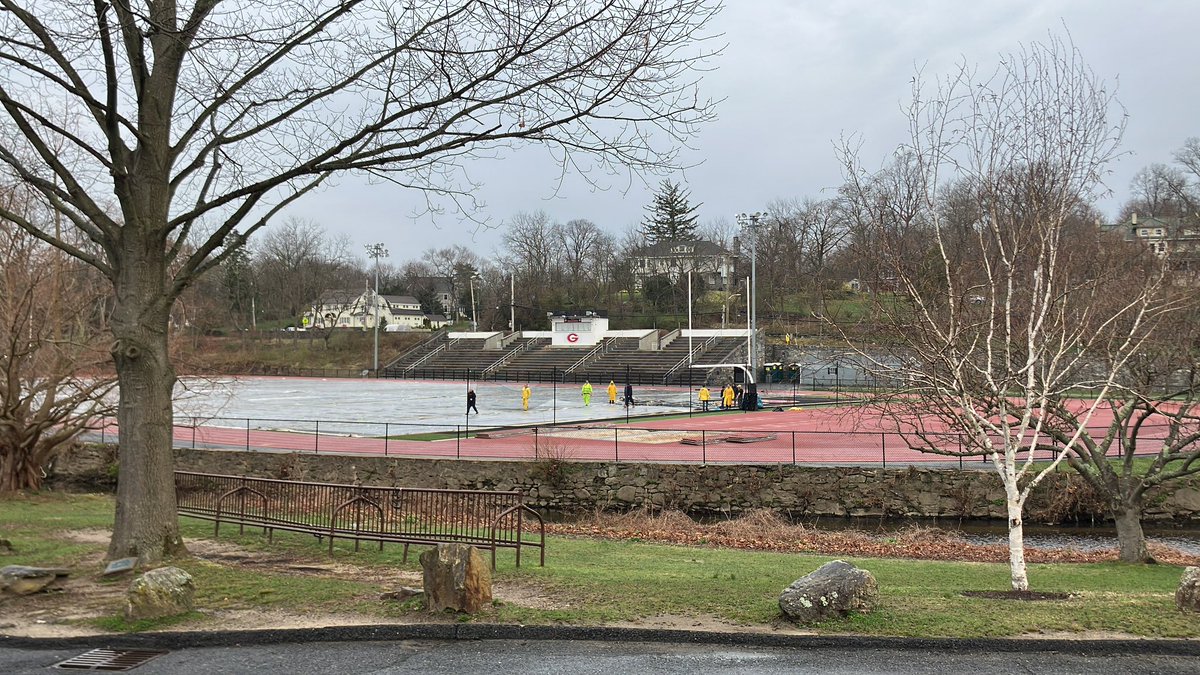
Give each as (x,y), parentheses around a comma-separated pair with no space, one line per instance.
(471,402)
(628,395)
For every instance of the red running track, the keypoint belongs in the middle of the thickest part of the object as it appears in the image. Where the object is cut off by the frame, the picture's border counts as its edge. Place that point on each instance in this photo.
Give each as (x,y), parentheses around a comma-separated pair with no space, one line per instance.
(839,436)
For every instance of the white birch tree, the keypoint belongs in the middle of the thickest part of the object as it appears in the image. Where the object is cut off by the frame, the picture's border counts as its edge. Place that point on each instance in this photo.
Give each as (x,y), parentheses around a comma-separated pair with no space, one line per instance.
(988,332)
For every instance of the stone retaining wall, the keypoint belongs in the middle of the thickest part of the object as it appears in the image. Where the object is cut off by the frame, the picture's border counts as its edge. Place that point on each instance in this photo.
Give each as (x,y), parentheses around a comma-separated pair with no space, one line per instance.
(699,490)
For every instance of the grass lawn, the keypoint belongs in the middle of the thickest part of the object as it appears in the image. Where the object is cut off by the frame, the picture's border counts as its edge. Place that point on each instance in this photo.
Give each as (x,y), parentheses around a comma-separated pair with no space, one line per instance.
(590,582)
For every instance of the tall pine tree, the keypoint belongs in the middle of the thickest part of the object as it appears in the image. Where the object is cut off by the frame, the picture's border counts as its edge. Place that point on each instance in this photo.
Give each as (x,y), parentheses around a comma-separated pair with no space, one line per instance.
(671,217)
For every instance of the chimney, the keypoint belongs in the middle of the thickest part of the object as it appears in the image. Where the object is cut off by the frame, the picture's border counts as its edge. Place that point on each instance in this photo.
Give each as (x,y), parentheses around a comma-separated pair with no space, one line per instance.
(1134,219)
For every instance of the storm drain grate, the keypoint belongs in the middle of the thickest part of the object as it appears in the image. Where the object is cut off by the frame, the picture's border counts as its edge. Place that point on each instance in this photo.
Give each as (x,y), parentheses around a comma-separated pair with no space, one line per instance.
(110,659)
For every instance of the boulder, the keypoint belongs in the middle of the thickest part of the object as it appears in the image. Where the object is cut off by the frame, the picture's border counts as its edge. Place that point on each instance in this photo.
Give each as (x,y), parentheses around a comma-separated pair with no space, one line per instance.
(6,547)
(400,594)
(456,577)
(834,589)
(1187,596)
(22,580)
(166,591)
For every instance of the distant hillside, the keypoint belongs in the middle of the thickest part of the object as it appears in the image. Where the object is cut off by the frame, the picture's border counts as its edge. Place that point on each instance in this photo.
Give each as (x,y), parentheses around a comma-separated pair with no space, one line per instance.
(267,352)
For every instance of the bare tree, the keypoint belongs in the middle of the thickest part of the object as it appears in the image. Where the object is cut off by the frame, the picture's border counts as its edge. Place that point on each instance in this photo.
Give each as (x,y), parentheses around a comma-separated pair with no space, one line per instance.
(211,116)
(297,261)
(1158,190)
(794,254)
(52,355)
(448,264)
(530,244)
(986,340)
(1152,410)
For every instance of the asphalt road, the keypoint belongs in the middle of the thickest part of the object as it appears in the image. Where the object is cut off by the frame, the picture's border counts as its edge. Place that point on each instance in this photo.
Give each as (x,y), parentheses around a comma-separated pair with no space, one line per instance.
(535,656)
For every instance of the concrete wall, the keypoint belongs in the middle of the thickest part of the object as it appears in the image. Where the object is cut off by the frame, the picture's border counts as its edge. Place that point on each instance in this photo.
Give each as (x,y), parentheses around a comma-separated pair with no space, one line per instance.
(700,490)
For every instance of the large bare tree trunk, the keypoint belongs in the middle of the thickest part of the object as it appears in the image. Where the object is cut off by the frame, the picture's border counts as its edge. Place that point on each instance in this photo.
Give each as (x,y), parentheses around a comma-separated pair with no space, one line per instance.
(1131,540)
(19,471)
(146,524)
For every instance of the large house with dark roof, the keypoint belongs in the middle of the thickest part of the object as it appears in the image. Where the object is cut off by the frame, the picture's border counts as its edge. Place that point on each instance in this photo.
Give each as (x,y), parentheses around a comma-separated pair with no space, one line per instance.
(710,262)
(1176,238)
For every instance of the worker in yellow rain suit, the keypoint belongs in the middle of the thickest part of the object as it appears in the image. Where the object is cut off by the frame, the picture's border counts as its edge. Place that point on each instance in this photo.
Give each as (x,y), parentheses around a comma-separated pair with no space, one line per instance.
(525,394)
(612,392)
(727,396)
(587,392)
(705,397)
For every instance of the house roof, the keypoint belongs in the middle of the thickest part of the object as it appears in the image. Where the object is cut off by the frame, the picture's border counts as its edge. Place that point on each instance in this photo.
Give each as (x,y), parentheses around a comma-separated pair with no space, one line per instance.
(400,299)
(436,317)
(407,312)
(339,296)
(1174,226)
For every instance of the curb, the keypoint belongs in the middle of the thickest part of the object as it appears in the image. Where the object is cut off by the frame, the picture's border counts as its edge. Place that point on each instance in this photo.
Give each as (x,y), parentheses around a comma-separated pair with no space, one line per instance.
(452,632)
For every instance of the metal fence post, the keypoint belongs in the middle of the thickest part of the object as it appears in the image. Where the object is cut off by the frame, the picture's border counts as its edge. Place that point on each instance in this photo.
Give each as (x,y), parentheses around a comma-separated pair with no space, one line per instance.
(457,443)
(535,442)
(317,438)
(703,448)
(616,446)
(793,448)
(883,448)
(193,433)
(386,427)
(247,434)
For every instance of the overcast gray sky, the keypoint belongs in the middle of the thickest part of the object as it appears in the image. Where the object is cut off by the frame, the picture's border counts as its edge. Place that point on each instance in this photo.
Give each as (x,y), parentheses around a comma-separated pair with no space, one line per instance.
(796,76)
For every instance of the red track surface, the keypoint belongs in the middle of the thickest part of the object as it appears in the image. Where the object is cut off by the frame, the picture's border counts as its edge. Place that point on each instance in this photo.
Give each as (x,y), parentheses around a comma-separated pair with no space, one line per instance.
(815,436)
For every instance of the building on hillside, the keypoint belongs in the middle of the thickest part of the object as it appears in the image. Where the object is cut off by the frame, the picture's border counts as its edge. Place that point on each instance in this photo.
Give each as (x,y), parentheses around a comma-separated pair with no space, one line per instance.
(711,263)
(440,290)
(358,309)
(1173,237)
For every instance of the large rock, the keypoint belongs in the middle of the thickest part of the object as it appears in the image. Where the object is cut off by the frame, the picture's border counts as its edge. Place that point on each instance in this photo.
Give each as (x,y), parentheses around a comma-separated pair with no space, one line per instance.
(456,577)
(166,591)
(1187,596)
(835,589)
(22,580)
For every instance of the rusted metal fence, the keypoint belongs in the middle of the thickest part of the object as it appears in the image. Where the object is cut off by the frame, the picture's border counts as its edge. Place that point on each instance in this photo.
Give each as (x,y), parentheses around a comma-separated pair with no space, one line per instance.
(421,516)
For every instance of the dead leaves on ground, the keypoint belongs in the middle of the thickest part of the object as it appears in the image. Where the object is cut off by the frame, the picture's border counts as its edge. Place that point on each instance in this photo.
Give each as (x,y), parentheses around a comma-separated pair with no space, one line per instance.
(764,530)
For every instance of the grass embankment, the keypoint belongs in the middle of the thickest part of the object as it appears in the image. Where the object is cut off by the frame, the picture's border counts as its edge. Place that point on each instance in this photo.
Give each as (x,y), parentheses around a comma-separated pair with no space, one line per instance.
(268,351)
(586,581)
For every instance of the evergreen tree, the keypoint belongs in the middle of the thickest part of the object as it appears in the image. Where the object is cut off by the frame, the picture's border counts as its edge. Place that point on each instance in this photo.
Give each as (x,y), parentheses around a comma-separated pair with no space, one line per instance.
(238,282)
(671,217)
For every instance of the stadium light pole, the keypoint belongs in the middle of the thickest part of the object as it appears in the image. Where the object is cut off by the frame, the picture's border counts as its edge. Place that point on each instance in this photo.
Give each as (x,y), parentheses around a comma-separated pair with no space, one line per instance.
(376,251)
(474,316)
(750,223)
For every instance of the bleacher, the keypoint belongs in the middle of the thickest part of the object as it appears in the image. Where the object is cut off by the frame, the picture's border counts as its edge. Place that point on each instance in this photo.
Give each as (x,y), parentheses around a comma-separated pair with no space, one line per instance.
(535,360)
(542,363)
(397,366)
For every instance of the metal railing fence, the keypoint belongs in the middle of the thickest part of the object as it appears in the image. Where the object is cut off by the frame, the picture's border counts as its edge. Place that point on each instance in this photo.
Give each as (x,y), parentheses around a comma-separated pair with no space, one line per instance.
(421,516)
(604,441)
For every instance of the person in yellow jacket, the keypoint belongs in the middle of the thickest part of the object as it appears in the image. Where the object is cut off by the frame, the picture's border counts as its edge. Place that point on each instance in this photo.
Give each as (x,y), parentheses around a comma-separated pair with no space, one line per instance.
(727,396)
(525,394)
(612,392)
(705,397)
(587,392)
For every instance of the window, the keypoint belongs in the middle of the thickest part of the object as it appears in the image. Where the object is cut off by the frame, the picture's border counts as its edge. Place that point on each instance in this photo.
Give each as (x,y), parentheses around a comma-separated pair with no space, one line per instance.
(1144,232)
(1158,231)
